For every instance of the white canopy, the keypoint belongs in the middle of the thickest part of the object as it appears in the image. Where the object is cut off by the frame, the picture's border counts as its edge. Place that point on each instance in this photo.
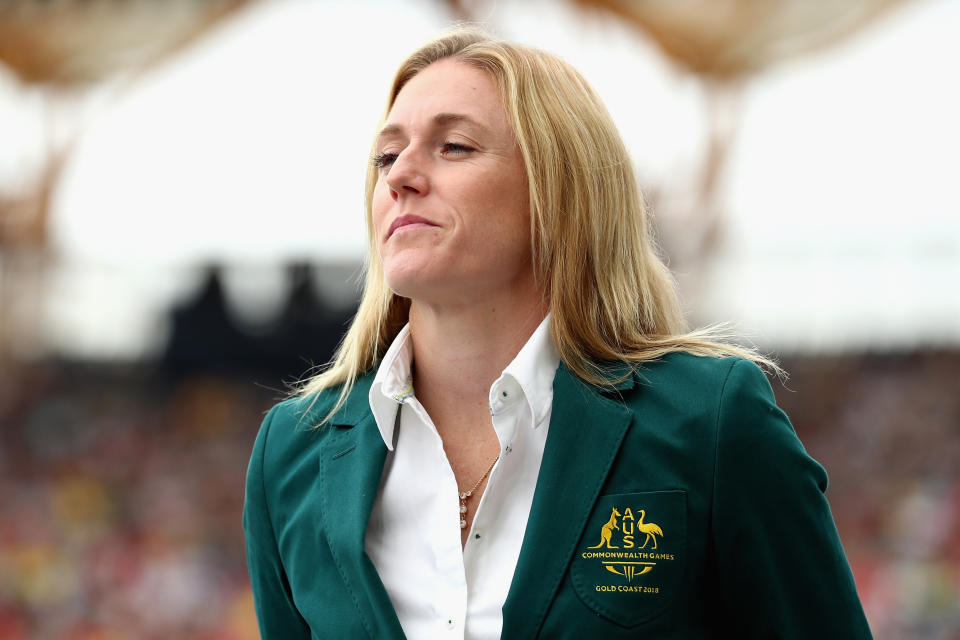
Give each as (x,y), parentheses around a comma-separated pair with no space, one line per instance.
(842,226)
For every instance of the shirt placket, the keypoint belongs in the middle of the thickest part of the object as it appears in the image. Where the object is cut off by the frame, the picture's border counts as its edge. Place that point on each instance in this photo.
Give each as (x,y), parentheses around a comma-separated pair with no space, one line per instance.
(505,409)
(450,598)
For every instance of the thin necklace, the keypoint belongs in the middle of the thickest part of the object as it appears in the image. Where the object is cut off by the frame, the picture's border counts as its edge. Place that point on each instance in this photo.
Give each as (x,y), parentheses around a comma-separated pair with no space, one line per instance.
(466,494)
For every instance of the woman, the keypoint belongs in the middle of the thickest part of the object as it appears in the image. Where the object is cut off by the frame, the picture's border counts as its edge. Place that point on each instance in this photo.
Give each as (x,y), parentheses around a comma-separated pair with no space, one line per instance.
(518,435)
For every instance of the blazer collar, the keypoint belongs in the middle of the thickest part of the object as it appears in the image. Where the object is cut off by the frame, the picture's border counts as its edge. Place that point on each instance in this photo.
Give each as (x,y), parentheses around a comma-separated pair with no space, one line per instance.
(586,431)
(351,463)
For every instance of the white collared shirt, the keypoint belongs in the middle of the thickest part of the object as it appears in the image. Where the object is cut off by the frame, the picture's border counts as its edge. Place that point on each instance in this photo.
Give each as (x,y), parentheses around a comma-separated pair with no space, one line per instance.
(440,590)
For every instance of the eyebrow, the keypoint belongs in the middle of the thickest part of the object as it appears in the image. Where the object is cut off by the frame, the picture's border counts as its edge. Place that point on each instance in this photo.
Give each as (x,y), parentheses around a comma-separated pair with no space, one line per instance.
(439,120)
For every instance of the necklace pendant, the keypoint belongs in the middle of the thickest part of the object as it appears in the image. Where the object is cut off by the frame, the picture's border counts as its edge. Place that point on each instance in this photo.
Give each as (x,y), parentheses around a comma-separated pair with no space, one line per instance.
(466,494)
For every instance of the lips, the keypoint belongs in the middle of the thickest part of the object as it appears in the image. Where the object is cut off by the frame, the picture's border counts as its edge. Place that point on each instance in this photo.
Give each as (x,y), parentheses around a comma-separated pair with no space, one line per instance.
(407,220)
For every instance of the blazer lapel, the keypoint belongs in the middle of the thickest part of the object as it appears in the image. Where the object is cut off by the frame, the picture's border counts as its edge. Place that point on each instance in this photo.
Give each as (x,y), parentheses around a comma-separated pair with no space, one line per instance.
(351,463)
(586,431)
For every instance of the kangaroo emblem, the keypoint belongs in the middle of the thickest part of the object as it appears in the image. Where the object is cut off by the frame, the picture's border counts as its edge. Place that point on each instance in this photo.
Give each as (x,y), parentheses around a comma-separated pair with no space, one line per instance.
(607,531)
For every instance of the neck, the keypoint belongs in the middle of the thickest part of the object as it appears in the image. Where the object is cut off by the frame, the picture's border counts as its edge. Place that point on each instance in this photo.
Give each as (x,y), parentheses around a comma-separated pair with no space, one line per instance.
(458,352)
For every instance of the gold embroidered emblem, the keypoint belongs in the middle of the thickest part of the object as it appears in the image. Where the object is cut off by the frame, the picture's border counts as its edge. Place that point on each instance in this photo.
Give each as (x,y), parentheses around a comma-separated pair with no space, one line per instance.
(633,563)
(629,564)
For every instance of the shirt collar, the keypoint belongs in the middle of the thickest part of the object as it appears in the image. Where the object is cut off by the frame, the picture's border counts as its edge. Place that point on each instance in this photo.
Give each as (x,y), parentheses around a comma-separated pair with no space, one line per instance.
(533,369)
(393,384)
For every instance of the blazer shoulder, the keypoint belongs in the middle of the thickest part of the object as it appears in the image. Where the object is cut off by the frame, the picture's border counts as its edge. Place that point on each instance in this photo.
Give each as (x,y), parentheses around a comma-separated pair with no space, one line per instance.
(740,412)
(312,410)
(684,384)
(683,364)
(690,374)
(303,412)
(292,423)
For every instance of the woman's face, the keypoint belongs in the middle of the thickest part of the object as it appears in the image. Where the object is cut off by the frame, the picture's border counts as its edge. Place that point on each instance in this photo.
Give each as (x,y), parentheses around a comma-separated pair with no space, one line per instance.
(451,207)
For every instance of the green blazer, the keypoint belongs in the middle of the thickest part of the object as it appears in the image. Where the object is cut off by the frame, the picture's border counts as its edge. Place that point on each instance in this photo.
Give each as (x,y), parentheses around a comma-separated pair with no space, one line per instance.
(678,504)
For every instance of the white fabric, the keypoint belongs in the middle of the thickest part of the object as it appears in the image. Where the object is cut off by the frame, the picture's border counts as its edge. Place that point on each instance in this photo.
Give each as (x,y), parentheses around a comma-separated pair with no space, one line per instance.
(438,589)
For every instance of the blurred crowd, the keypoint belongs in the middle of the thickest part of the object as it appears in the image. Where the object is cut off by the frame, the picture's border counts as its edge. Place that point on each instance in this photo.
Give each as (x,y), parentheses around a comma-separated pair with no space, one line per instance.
(121,501)
(121,494)
(887,429)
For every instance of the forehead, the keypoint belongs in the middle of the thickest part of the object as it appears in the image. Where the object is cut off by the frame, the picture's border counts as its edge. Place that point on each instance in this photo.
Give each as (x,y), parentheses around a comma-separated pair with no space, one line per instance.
(449,86)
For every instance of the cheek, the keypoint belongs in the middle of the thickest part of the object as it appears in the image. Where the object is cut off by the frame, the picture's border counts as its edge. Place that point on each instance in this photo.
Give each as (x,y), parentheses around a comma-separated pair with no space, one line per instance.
(501,232)
(511,210)
(380,206)
(518,223)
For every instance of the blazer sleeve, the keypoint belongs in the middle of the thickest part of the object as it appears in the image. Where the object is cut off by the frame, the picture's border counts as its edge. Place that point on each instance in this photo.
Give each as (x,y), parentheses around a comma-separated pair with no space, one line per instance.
(277,615)
(782,569)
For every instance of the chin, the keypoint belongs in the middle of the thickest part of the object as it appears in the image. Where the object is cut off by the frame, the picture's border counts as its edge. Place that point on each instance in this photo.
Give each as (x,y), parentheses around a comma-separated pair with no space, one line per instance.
(409,272)
(440,290)
(413,284)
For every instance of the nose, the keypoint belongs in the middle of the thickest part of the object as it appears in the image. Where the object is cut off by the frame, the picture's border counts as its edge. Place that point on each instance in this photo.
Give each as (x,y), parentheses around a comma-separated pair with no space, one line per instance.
(408,174)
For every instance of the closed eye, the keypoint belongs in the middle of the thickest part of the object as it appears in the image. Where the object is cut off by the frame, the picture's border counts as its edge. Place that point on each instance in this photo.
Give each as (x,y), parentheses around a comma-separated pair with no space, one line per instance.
(456,149)
(383,160)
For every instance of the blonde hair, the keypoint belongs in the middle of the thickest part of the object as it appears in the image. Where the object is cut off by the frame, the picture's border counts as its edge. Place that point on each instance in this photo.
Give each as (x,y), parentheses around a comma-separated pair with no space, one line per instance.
(612,299)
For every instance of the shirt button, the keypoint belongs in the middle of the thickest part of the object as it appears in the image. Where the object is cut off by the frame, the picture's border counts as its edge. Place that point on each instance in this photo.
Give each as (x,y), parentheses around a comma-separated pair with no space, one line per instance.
(451,623)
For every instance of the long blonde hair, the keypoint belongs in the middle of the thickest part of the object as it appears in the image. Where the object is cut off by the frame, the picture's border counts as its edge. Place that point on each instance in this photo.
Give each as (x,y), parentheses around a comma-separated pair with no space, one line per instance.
(611,297)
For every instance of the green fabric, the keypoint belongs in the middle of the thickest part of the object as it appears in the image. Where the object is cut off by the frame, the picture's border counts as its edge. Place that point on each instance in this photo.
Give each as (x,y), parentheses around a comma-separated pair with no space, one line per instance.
(735,538)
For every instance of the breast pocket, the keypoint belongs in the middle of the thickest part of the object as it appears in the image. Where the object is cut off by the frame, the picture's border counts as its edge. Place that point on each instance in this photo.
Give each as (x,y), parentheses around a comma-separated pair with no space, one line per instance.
(629,564)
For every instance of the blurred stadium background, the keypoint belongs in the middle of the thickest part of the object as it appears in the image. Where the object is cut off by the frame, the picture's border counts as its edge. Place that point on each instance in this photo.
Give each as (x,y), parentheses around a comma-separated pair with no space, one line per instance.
(181,236)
